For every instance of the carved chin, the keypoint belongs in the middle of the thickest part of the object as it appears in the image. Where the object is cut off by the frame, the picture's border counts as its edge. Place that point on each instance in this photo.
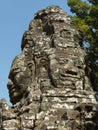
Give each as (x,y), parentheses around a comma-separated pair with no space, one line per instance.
(15,97)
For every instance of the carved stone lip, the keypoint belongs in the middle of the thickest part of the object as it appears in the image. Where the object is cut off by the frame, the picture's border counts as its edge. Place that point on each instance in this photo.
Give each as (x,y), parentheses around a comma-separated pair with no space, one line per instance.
(12,90)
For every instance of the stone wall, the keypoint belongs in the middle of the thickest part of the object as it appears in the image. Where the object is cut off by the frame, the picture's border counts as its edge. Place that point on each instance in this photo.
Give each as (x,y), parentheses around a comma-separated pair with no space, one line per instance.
(49,83)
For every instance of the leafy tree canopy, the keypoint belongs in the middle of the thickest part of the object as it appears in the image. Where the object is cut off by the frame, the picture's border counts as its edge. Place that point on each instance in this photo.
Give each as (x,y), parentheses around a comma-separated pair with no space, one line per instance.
(86,20)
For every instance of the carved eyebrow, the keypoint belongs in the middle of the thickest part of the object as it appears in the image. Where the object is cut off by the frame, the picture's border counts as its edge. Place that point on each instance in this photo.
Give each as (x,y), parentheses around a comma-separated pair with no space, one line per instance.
(13,72)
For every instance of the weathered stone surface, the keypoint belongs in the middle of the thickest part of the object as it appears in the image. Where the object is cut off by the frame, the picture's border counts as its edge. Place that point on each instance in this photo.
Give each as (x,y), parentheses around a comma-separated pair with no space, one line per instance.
(49,85)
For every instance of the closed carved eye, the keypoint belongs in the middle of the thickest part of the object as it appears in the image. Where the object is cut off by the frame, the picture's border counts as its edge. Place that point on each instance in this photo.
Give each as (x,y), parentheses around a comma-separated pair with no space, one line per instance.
(13,73)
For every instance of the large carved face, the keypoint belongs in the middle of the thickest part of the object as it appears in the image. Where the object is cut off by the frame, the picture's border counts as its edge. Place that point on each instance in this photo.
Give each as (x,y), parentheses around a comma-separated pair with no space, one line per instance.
(19,79)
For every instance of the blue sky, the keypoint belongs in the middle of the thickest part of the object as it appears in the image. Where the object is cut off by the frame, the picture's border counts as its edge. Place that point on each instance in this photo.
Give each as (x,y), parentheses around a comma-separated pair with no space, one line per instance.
(15,16)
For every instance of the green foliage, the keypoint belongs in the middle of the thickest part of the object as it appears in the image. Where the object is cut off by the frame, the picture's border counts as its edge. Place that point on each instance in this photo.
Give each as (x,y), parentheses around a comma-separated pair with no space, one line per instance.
(86,20)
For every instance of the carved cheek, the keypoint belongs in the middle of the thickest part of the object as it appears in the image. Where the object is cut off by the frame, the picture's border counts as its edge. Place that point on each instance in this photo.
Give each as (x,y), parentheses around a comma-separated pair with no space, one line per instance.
(18,77)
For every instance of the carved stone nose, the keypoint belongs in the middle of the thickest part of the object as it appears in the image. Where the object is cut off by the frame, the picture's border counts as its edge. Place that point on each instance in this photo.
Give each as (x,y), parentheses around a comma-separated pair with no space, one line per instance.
(9,84)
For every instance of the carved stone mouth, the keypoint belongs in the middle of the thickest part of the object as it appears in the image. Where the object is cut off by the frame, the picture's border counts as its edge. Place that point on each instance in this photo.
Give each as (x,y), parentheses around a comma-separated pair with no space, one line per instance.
(12,90)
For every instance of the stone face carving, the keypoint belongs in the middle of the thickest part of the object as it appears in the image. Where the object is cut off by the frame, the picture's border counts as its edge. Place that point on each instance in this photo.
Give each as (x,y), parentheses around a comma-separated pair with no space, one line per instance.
(19,78)
(48,85)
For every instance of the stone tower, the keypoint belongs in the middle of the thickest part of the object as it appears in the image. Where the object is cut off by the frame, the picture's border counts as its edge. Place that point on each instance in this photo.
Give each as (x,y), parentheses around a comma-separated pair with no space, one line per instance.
(49,84)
